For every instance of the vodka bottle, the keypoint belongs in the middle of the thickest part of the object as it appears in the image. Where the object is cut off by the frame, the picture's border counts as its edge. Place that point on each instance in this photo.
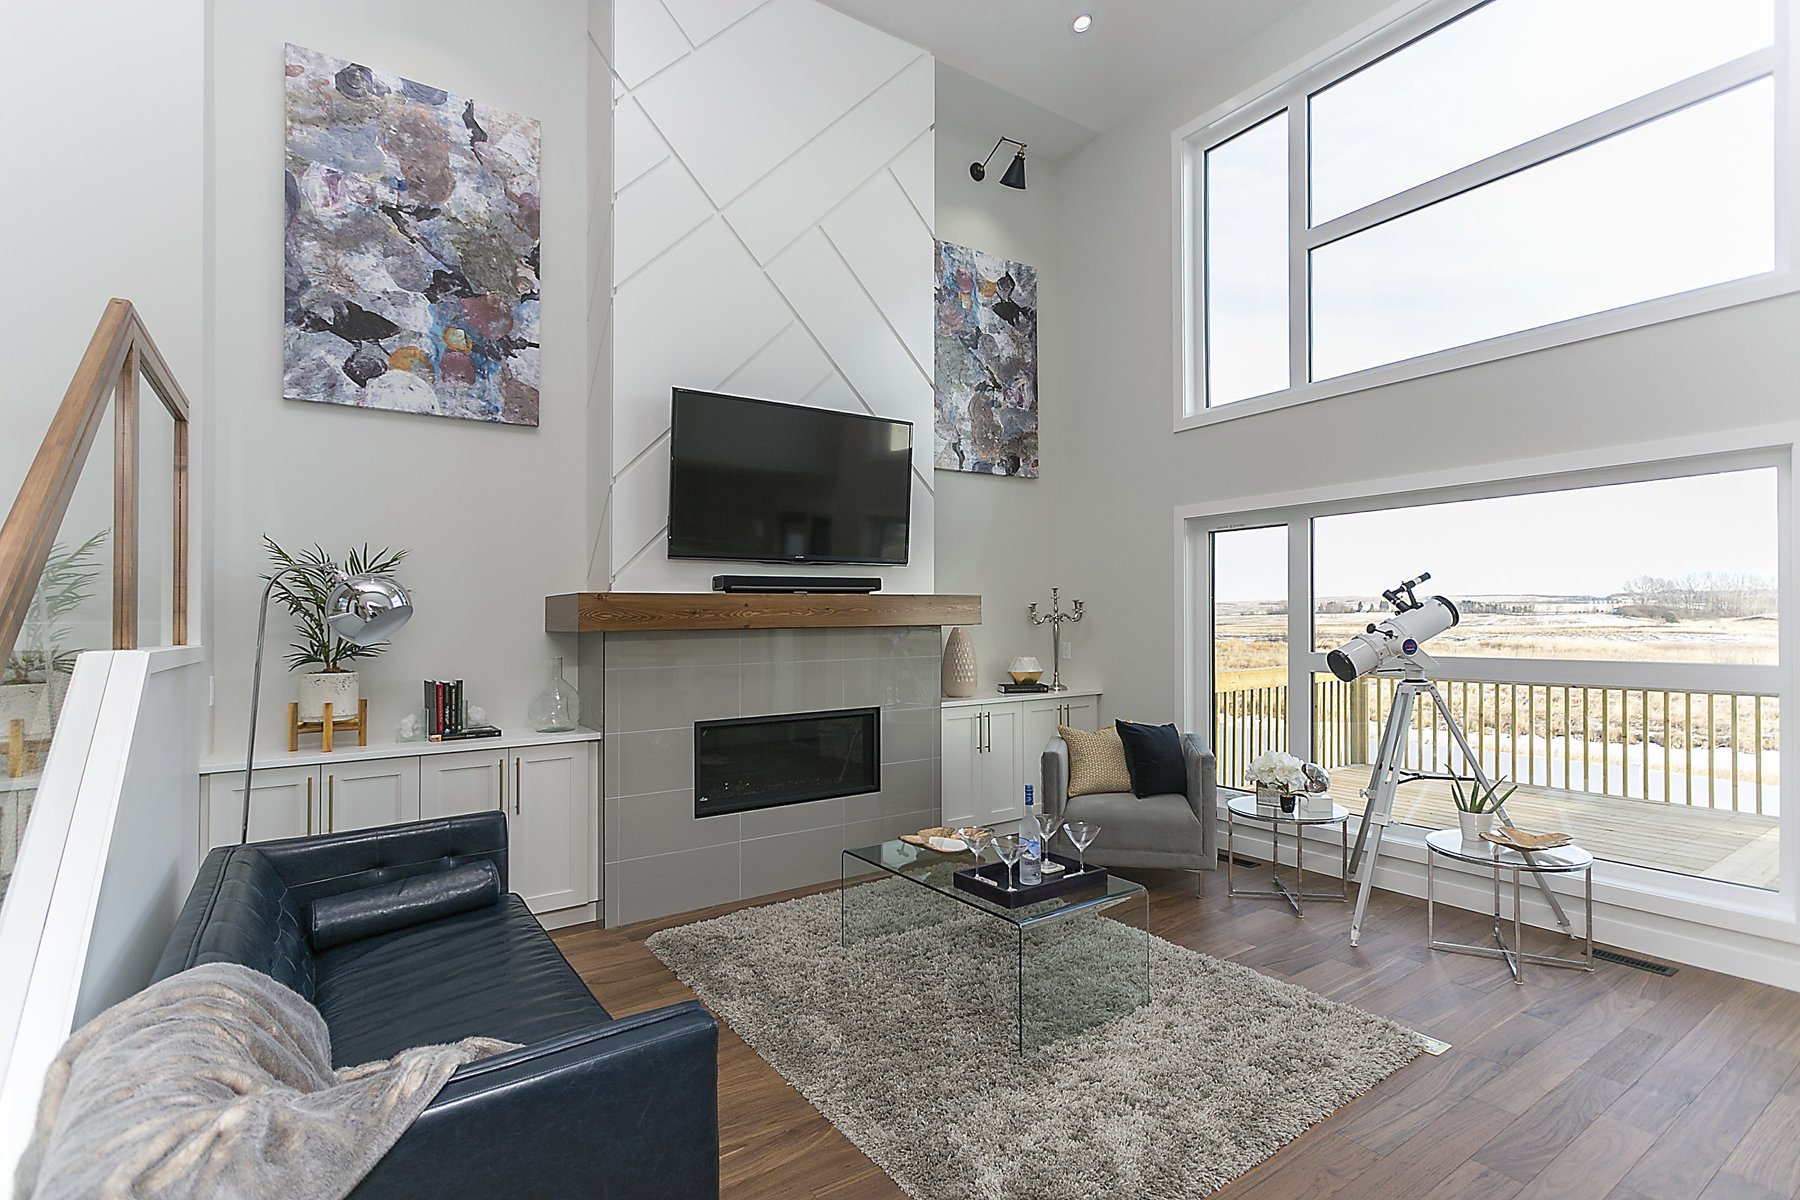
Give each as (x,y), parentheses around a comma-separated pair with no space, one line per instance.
(1031,854)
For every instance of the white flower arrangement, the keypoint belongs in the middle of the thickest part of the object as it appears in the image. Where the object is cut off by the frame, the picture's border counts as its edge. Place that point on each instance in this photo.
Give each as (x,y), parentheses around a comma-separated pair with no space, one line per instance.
(1277,770)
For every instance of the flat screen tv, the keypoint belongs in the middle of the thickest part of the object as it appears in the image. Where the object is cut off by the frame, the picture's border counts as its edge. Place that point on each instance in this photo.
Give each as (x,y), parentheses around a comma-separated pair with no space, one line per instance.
(758,481)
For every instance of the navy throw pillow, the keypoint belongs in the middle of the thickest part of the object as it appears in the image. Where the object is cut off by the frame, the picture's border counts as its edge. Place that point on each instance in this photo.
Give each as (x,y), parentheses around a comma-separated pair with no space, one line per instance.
(1153,757)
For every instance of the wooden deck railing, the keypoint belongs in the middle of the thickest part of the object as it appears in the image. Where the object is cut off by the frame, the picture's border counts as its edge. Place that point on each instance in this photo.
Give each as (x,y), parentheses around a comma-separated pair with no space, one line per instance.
(1705,749)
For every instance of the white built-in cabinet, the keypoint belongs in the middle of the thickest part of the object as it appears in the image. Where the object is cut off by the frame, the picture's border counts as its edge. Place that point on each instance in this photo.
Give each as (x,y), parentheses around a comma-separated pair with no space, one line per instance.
(549,791)
(992,746)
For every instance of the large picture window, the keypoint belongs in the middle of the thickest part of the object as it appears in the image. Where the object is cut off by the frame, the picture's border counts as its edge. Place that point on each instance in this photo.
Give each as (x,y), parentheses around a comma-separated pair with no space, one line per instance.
(1482,180)
(1618,655)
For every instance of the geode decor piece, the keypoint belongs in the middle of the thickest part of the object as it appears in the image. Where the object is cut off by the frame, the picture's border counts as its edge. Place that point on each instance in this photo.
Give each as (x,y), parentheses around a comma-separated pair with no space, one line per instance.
(411,247)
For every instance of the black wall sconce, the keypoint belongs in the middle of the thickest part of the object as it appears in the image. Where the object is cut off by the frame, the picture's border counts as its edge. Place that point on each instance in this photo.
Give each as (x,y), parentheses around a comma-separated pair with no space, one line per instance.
(1015,172)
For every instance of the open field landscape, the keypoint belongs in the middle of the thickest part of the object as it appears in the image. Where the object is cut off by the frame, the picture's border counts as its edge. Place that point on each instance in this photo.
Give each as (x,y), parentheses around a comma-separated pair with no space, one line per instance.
(1714,754)
(1247,636)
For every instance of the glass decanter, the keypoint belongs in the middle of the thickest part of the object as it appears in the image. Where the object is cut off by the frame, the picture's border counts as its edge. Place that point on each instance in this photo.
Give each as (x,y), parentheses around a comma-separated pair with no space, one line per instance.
(558,706)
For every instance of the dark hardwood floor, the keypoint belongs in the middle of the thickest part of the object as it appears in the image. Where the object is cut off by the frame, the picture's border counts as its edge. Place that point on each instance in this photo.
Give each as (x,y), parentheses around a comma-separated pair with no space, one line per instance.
(1620,1085)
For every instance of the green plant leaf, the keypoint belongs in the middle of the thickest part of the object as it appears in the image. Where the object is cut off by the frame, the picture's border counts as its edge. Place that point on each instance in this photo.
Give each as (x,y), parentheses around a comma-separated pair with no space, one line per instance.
(303,586)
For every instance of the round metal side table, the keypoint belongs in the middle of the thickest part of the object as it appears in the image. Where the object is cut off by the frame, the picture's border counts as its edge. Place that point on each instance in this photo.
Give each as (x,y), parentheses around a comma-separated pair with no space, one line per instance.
(1302,816)
(1563,860)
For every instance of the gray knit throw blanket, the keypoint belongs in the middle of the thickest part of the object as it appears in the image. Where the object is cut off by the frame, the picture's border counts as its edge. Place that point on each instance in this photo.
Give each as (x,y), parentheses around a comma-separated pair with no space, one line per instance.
(217,1082)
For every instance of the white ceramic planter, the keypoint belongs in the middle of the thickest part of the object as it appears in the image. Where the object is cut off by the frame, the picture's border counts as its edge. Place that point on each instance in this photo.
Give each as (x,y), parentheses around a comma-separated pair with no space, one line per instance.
(1474,825)
(340,689)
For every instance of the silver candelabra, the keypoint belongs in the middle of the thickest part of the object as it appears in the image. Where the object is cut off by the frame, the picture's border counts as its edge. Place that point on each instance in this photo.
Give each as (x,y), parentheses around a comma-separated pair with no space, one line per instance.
(1055,621)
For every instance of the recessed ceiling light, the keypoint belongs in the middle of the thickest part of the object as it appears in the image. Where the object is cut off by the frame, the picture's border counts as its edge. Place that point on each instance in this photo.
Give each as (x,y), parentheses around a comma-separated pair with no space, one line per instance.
(1082,23)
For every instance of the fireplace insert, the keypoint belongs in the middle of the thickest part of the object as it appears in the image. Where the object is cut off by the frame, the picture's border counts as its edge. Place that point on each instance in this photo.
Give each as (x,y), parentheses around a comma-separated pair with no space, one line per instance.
(764,762)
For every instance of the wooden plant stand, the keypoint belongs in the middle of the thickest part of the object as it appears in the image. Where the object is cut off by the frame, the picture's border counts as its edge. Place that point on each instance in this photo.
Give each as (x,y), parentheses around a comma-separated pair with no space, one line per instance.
(359,725)
(22,754)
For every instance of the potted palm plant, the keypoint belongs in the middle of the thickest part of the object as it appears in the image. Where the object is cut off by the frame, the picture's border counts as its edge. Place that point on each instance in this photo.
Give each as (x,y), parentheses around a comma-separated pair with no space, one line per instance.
(1475,808)
(303,584)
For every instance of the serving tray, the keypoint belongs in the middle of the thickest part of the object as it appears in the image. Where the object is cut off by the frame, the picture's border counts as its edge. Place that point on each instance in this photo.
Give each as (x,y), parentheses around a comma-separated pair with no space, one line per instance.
(988,881)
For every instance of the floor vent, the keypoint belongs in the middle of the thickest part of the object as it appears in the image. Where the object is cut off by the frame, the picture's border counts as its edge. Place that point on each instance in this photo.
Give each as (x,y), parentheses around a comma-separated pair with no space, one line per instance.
(1636,964)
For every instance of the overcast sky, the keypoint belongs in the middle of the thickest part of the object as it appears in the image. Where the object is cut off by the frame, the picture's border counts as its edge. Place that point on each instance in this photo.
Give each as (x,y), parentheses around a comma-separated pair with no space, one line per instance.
(1589,541)
(1683,202)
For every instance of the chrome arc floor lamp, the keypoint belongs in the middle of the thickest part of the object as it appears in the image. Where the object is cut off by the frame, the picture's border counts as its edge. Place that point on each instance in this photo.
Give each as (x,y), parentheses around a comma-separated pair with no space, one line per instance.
(362,609)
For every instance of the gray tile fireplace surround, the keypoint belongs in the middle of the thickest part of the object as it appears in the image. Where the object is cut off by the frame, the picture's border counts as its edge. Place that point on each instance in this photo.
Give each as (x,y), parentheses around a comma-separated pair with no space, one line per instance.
(659,858)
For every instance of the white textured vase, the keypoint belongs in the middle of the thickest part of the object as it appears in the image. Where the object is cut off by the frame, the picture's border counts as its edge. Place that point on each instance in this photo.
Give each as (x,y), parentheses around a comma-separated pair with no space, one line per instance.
(1473,826)
(340,689)
(959,665)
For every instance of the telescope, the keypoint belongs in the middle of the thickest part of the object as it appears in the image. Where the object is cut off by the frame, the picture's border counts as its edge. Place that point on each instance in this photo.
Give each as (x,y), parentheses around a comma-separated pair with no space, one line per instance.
(1395,647)
(1397,639)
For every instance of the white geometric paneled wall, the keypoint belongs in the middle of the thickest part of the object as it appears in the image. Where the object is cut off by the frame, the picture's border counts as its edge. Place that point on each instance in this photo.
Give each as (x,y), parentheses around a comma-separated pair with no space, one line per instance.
(771,237)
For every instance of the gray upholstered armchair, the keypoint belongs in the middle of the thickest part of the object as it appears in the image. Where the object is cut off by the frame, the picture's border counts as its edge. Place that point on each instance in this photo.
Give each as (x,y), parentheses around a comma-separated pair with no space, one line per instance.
(1170,831)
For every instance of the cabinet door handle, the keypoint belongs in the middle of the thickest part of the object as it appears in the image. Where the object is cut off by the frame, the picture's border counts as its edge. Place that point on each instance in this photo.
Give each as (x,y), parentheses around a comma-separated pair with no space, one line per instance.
(502,770)
(331,804)
(518,790)
(308,806)
(987,732)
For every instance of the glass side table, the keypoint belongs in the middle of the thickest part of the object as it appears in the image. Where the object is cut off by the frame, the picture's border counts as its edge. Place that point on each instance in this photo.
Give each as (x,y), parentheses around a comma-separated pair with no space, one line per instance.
(1321,811)
(1563,860)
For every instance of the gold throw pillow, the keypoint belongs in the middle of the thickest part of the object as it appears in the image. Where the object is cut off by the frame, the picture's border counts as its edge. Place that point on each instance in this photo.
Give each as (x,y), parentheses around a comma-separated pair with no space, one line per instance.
(1096,761)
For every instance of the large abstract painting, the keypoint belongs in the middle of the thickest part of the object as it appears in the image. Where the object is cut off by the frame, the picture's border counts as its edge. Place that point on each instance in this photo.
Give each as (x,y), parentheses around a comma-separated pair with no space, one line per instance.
(411,247)
(987,404)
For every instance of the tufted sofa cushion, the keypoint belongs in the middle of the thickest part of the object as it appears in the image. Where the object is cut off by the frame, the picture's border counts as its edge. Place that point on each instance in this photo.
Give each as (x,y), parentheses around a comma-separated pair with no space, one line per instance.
(251,918)
(489,973)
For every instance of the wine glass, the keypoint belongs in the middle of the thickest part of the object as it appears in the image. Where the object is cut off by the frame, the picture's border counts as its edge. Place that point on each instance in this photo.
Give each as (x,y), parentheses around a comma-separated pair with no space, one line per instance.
(1082,833)
(1009,846)
(976,838)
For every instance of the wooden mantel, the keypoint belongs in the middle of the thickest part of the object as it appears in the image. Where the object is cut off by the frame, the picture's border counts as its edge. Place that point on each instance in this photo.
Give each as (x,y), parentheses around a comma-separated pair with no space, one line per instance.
(626,612)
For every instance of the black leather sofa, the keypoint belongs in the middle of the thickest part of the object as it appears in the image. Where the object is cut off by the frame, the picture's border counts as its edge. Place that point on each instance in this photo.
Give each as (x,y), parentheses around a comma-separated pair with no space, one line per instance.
(406,936)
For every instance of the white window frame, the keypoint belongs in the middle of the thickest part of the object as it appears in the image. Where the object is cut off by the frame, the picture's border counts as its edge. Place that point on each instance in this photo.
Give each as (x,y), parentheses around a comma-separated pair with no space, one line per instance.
(1707,902)
(1291,92)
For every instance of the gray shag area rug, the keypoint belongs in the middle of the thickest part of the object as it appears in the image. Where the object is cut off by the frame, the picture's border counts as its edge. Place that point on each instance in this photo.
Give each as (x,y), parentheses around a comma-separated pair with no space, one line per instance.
(906,1041)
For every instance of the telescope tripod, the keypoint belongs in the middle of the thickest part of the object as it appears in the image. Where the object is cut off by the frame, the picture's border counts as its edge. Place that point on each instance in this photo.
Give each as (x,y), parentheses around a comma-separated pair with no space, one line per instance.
(1390,773)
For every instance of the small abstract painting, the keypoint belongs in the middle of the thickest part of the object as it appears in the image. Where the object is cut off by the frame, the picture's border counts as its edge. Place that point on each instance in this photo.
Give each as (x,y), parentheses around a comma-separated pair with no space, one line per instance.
(987,403)
(411,257)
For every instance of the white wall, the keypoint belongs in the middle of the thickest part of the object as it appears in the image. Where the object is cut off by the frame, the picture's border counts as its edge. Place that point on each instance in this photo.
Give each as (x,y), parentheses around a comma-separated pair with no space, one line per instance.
(997,535)
(496,517)
(598,465)
(771,238)
(1726,369)
(104,197)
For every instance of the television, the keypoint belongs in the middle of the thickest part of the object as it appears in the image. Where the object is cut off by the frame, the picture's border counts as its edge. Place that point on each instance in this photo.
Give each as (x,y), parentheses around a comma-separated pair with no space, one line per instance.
(758,481)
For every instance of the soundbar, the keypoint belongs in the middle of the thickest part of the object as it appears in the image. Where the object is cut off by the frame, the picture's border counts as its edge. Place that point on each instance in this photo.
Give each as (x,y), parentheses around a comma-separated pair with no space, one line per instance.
(798,586)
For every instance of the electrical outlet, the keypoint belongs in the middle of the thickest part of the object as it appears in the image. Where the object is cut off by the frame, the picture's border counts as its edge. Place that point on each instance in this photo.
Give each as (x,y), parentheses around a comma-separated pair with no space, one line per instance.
(1068,649)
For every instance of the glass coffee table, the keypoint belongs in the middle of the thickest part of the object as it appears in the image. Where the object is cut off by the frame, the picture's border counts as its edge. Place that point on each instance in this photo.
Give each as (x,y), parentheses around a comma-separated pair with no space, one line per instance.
(1070,967)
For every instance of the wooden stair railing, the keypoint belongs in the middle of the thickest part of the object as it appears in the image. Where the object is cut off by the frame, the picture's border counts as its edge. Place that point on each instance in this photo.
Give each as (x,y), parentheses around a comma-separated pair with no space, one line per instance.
(120,351)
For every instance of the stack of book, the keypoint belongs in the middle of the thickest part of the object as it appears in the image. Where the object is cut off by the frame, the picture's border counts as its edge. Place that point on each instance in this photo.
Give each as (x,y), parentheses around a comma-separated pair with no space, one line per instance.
(447,713)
